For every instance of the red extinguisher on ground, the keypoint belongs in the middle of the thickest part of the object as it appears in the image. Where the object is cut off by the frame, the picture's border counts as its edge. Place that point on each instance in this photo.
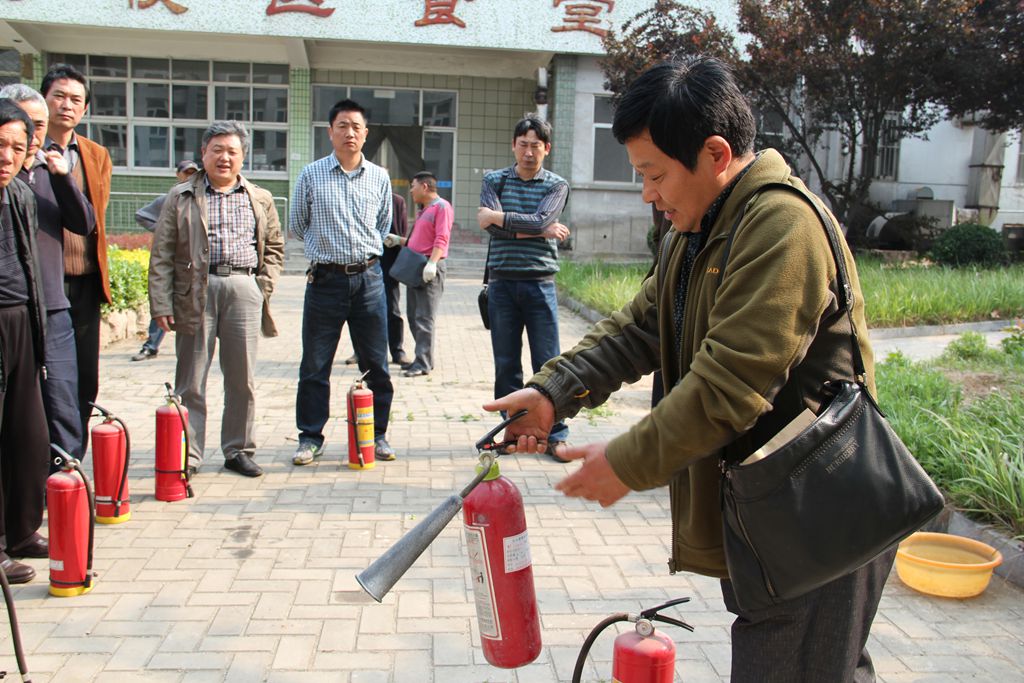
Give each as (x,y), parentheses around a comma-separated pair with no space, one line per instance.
(502,571)
(359,404)
(643,655)
(71,511)
(111,452)
(172,477)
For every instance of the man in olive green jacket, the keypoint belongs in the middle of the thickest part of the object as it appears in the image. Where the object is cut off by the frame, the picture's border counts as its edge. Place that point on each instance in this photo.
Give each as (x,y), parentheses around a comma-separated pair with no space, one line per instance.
(217,253)
(745,345)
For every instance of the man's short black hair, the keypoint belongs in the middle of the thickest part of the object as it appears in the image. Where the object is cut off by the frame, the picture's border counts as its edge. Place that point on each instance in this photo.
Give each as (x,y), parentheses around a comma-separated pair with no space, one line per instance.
(10,112)
(346,105)
(59,72)
(533,122)
(427,178)
(682,103)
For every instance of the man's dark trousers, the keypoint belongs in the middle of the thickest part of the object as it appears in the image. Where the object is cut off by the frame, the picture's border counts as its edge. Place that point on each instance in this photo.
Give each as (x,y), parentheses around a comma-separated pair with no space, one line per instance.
(24,446)
(331,300)
(393,297)
(85,294)
(60,388)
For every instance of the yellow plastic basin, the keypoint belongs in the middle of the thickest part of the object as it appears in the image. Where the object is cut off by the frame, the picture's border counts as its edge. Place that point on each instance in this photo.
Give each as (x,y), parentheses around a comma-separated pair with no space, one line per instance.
(946,565)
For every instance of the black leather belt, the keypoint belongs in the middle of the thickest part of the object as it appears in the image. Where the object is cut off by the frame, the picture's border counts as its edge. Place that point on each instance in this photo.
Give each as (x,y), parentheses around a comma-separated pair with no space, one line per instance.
(223,270)
(346,268)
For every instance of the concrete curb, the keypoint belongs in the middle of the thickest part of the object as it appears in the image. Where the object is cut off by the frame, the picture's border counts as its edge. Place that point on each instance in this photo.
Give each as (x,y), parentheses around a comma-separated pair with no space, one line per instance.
(934,330)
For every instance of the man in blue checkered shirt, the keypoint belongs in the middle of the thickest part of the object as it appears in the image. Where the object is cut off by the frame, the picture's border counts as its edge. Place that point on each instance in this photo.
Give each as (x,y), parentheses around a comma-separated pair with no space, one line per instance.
(341,210)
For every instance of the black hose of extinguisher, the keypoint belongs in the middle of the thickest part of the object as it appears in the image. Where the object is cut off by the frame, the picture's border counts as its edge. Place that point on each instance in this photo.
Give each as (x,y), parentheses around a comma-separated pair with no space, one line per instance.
(12,616)
(127,455)
(577,673)
(77,467)
(184,429)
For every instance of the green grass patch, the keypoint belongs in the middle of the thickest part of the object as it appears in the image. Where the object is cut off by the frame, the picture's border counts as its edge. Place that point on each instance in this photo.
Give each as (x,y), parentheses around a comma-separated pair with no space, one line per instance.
(895,296)
(962,416)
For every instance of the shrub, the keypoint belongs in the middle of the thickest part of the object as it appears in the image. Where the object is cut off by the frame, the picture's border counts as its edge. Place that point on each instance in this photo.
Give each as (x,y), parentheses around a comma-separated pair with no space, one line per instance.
(967,244)
(968,346)
(129,278)
(1014,344)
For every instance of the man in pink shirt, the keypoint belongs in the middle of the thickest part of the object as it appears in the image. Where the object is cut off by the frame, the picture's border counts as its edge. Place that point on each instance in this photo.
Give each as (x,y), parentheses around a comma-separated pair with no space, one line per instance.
(429,236)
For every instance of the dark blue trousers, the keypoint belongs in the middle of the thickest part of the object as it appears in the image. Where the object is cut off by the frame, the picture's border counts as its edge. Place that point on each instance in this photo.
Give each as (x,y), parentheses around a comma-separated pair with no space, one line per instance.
(60,388)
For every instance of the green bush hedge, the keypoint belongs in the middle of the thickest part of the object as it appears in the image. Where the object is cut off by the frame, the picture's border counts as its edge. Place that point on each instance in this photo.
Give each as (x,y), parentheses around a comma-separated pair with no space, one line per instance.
(968,244)
(129,278)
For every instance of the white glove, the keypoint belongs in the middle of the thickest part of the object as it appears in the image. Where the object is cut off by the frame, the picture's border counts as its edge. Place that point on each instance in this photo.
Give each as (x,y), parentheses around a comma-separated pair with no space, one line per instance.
(429,271)
(392,240)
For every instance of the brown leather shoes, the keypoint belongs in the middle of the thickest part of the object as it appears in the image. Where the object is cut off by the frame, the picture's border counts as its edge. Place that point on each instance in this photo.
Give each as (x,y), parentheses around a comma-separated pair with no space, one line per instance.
(35,546)
(15,571)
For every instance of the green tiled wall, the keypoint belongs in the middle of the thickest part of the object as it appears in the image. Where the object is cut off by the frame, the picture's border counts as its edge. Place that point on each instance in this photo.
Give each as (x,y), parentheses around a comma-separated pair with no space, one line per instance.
(562,106)
(300,108)
(487,111)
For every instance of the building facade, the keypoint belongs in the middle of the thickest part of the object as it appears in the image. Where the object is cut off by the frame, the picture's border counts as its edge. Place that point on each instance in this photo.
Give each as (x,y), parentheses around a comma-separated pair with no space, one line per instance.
(444,82)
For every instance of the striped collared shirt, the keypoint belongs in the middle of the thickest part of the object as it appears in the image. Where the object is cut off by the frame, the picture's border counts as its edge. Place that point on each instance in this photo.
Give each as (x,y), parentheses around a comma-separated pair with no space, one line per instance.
(341,216)
(232,227)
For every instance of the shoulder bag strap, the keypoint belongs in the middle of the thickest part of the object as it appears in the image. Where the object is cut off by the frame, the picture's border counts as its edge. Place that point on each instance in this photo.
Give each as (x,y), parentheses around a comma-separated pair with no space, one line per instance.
(842,277)
(501,188)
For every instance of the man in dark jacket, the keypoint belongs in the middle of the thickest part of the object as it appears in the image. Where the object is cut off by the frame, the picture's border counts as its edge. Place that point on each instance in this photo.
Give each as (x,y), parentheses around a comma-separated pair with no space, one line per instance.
(59,205)
(745,345)
(23,434)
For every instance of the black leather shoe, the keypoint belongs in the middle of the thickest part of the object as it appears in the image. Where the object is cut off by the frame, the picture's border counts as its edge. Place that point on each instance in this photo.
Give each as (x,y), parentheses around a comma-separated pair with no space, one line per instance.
(243,464)
(401,360)
(352,360)
(17,572)
(35,546)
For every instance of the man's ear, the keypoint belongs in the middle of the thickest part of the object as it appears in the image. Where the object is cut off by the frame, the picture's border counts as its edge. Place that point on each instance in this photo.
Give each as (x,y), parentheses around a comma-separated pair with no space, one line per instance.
(720,152)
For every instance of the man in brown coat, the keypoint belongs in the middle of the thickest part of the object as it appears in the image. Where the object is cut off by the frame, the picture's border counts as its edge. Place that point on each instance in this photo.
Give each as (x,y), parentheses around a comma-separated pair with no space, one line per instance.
(217,253)
(86,282)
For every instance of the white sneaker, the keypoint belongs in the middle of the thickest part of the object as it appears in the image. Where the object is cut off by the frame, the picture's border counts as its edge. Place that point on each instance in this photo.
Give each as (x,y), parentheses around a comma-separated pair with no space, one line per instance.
(306,453)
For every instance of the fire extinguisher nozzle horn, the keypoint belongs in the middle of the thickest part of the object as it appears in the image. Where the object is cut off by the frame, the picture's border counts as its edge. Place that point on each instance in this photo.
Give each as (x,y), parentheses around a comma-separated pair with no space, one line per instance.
(386,570)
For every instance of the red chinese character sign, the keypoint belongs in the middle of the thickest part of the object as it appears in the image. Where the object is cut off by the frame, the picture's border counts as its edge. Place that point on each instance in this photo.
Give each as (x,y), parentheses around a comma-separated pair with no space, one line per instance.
(440,12)
(306,6)
(169,4)
(583,16)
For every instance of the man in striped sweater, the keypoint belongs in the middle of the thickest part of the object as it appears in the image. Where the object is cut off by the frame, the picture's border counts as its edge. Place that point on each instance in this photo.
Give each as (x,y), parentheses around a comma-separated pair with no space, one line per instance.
(519,209)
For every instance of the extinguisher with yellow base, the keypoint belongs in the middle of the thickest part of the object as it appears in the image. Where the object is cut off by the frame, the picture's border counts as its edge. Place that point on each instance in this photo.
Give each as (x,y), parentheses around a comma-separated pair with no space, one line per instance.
(359,403)
(171,462)
(72,521)
(643,655)
(111,452)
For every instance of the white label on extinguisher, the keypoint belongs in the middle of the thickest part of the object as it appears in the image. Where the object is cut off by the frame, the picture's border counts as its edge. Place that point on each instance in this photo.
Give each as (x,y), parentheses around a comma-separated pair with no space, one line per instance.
(483,589)
(57,565)
(517,552)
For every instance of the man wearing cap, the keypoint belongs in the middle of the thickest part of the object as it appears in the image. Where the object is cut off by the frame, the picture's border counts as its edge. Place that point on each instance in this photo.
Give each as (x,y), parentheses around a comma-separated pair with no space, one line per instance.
(147,217)
(217,254)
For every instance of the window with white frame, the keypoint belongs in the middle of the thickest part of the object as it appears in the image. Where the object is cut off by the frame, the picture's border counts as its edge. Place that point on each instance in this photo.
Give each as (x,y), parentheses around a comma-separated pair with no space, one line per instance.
(433,110)
(151,112)
(10,66)
(887,162)
(611,162)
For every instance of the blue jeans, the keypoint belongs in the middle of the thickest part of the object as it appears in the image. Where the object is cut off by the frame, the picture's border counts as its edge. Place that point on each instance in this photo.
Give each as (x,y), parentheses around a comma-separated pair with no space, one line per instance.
(514,305)
(332,299)
(156,335)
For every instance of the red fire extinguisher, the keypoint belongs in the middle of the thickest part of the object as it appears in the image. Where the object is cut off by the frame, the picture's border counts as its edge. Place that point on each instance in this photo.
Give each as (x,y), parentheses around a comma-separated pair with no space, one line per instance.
(69,505)
(502,571)
(172,478)
(643,655)
(111,451)
(360,426)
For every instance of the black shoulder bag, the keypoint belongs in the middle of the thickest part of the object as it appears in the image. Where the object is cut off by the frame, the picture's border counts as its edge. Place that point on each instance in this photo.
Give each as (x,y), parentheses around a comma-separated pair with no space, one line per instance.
(481,298)
(833,498)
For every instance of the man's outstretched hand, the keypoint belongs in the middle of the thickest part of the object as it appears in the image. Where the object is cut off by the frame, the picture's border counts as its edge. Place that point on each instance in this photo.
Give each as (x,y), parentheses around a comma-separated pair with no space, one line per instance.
(595,480)
(530,432)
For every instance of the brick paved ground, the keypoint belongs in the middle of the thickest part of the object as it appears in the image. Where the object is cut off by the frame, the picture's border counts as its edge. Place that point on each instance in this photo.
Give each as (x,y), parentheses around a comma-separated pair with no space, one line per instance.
(252,580)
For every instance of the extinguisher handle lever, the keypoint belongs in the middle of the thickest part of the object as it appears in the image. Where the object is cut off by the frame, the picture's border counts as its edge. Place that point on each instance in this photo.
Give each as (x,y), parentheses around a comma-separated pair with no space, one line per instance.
(487,443)
(670,620)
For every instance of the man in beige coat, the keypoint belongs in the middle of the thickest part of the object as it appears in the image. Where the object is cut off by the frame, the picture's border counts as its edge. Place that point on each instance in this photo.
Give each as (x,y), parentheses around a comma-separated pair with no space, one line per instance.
(217,253)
